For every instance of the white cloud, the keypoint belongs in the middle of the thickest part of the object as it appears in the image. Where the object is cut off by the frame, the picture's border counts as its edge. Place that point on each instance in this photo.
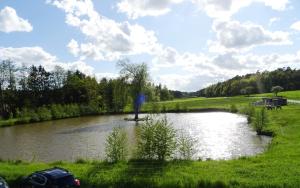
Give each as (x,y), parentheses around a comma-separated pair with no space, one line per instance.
(296,26)
(233,36)
(221,9)
(224,9)
(11,22)
(38,56)
(199,70)
(106,39)
(273,20)
(141,8)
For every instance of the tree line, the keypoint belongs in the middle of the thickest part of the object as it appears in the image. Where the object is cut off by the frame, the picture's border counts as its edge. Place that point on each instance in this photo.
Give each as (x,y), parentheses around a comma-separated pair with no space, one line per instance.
(28,92)
(260,82)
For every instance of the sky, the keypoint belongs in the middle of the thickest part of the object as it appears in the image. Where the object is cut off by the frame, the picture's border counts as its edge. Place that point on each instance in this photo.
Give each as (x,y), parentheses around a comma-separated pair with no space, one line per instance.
(187,44)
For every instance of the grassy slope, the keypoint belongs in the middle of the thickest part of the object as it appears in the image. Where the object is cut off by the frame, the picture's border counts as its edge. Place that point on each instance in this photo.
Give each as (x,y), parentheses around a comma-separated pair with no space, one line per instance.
(295,95)
(277,167)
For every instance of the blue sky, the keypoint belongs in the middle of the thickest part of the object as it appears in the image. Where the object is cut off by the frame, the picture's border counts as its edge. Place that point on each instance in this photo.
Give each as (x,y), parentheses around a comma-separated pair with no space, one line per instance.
(187,44)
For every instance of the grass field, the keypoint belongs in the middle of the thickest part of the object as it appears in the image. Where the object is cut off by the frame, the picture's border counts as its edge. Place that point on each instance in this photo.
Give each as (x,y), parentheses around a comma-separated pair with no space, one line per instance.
(295,95)
(279,166)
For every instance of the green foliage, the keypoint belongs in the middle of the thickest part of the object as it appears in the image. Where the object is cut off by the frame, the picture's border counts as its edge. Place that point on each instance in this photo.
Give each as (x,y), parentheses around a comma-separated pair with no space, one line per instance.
(186,146)
(71,93)
(248,110)
(260,120)
(116,146)
(259,82)
(276,90)
(156,140)
(177,107)
(57,111)
(138,76)
(44,114)
(155,107)
(233,108)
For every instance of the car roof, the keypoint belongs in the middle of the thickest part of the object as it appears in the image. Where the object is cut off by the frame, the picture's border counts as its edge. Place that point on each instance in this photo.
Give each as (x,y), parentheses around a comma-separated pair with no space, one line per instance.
(55,173)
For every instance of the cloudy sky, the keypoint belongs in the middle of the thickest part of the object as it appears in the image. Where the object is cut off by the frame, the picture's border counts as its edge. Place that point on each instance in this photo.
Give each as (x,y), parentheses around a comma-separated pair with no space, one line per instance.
(187,44)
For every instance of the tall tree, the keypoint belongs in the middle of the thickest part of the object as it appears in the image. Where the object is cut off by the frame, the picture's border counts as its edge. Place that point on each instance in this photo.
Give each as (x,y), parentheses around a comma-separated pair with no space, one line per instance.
(137,75)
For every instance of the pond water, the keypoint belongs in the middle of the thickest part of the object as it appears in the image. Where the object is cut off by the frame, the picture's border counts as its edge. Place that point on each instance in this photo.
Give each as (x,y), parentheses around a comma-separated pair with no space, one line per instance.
(218,135)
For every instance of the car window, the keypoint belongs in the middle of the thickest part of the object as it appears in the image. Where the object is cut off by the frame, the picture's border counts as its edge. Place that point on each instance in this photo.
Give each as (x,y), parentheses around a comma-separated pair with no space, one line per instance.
(38,179)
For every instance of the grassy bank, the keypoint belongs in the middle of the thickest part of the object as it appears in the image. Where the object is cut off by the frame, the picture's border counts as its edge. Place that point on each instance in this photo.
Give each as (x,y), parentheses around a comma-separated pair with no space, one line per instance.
(279,166)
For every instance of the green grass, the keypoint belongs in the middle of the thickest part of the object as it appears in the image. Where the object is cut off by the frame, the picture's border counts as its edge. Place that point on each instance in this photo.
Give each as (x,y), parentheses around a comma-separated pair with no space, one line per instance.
(279,166)
(201,103)
(288,94)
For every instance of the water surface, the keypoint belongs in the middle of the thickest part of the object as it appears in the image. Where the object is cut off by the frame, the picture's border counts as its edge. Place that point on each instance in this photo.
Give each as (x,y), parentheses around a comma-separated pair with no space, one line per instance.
(218,135)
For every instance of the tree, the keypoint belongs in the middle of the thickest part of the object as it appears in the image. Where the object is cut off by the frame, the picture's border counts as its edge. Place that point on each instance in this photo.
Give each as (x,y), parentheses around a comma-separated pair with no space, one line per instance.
(59,77)
(247,90)
(137,75)
(276,90)
(3,79)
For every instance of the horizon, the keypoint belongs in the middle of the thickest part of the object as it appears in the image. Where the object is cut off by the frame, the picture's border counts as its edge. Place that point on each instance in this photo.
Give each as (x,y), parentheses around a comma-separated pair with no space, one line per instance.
(187,44)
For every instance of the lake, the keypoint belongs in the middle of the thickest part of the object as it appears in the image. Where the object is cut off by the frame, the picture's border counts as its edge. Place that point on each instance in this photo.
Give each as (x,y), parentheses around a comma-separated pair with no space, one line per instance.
(218,135)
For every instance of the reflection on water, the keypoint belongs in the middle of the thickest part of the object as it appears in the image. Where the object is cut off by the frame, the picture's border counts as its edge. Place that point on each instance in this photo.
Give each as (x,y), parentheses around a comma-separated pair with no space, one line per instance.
(219,135)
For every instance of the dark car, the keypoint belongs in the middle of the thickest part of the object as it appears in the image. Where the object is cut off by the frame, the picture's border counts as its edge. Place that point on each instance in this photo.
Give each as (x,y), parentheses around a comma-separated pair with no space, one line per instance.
(51,178)
(3,183)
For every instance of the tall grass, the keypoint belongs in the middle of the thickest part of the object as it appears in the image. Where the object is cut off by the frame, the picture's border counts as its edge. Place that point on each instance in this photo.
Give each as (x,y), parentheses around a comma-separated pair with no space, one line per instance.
(260,120)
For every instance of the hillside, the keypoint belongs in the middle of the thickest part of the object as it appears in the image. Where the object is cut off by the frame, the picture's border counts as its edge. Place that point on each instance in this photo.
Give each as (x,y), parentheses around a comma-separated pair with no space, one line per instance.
(259,82)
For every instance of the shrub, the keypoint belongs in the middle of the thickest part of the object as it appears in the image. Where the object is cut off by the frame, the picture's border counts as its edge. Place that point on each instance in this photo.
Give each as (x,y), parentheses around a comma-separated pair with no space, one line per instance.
(186,146)
(91,109)
(260,120)
(23,115)
(44,113)
(164,108)
(155,108)
(116,146)
(72,110)
(249,111)
(34,117)
(57,111)
(233,108)
(157,140)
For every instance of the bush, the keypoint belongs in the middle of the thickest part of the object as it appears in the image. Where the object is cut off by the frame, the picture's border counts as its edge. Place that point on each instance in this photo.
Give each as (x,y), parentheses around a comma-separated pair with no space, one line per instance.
(44,114)
(116,146)
(72,110)
(26,115)
(156,140)
(233,108)
(34,117)
(91,109)
(155,108)
(260,120)
(186,146)
(57,111)
(249,111)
